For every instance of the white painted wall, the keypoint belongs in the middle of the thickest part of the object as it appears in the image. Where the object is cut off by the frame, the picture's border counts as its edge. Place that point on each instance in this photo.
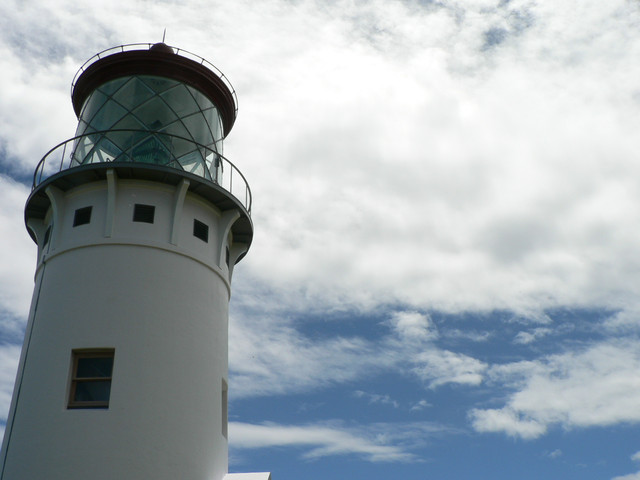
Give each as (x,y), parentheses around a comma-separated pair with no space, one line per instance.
(162,307)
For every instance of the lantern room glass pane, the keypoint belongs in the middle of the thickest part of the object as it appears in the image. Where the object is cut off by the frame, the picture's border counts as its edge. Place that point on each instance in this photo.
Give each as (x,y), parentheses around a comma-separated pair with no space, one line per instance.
(133,93)
(149,119)
(180,100)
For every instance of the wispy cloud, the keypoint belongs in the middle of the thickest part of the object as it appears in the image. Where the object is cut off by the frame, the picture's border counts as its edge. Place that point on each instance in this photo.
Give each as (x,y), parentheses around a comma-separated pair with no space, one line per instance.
(631,476)
(276,358)
(380,442)
(421,405)
(595,386)
(524,338)
(377,398)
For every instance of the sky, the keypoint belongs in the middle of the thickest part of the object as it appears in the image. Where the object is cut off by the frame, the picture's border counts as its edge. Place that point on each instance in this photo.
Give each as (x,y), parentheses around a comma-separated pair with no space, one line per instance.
(443,282)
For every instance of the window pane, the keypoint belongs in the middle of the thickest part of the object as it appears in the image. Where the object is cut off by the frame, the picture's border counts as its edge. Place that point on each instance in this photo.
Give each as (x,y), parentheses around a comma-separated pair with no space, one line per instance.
(92,391)
(91,367)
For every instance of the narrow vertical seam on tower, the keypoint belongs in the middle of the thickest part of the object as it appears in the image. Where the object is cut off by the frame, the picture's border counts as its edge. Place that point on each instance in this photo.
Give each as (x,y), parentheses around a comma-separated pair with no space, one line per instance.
(111,202)
(181,192)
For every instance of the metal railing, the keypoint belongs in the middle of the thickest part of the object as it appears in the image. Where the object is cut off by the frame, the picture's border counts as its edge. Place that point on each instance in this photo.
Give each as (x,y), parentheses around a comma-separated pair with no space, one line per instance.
(147,46)
(145,148)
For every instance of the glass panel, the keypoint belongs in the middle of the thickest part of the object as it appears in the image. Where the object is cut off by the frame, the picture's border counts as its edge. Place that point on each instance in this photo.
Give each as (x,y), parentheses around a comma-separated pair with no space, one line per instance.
(203,102)
(83,148)
(157,84)
(129,123)
(194,163)
(93,105)
(152,150)
(105,151)
(88,391)
(108,115)
(94,367)
(82,127)
(133,94)
(124,141)
(176,128)
(183,147)
(111,87)
(154,114)
(180,100)
(199,129)
(213,119)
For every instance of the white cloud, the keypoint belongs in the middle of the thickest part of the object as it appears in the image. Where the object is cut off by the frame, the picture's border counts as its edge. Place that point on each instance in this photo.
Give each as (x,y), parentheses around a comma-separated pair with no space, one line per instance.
(597,386)
(377,398)
(455,156)
(524,338)
(17,255)
(623,321)
(555,454)
(268,356)
(421,405)
(376,442)
(631,476)
(471,335)
(465,156)
(413,326)
(439,367)
(506,421)
(9,356)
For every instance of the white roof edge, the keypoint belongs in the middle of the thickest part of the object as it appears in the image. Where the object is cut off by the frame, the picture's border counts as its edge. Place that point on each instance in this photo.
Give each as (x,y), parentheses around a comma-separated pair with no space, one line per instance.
(248,476)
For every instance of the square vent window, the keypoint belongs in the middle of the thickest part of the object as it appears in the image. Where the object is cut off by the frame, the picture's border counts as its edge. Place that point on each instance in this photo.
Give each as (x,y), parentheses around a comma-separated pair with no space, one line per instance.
(201,230)
(82,216)
(143,213)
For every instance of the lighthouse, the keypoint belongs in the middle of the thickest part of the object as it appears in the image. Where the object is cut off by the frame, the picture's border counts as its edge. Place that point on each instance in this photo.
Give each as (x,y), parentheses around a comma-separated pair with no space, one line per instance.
(139,220)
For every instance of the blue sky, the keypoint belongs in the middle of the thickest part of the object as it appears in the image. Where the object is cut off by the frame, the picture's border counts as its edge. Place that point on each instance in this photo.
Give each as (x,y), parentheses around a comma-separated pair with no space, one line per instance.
(444,277)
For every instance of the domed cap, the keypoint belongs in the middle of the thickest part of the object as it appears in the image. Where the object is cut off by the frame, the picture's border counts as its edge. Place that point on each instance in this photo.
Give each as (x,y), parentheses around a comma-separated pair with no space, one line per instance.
(161,47)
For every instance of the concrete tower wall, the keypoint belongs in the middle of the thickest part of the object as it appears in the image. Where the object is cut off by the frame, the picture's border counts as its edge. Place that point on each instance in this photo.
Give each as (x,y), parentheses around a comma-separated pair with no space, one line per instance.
(155,294)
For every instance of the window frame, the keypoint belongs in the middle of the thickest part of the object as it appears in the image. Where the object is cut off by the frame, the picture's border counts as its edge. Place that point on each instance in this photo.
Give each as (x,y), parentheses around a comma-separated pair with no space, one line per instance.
(78,354)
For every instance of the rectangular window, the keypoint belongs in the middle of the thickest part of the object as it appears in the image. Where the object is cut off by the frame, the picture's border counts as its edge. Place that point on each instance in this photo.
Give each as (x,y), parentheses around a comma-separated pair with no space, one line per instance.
(91,378)
(82,216)
(143,213)
(201,230)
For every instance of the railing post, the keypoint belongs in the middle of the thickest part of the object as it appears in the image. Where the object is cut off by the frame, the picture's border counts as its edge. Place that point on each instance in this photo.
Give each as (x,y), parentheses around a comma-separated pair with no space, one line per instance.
(64,150)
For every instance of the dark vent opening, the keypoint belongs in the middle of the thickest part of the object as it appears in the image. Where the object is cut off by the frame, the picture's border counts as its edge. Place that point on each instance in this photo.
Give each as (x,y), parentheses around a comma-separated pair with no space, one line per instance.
(227,257)
(82,216)
(201,230)
(143,213)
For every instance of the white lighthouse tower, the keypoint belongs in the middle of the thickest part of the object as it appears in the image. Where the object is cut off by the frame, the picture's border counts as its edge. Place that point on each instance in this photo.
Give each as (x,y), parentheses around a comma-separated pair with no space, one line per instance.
(139,221)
